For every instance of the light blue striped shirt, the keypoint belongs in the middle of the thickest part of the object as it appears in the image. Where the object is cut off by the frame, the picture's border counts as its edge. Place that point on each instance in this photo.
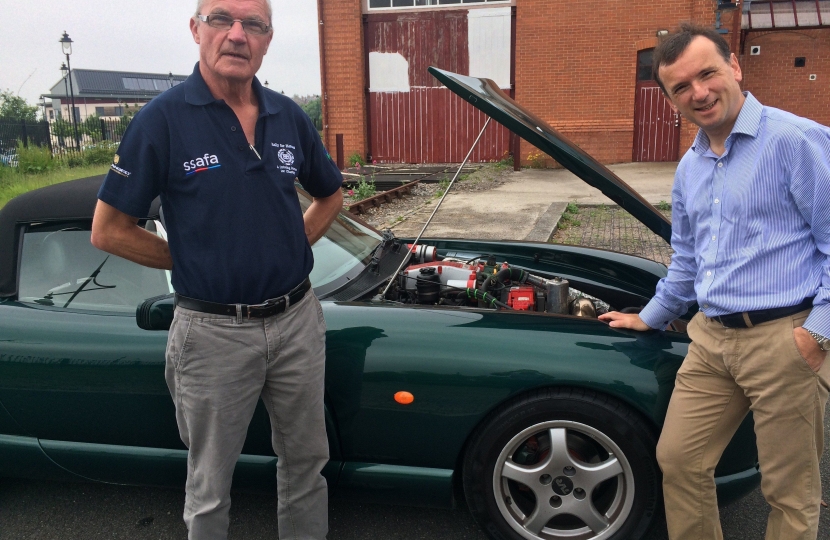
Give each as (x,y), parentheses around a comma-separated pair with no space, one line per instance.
(751,228)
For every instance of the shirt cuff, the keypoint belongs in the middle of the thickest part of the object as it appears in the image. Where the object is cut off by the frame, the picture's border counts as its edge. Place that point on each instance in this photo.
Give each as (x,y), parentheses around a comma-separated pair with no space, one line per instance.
(819,320)
(656,316)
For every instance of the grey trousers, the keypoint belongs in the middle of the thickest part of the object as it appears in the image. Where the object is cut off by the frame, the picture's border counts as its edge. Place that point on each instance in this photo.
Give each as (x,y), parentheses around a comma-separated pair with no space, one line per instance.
(217,368)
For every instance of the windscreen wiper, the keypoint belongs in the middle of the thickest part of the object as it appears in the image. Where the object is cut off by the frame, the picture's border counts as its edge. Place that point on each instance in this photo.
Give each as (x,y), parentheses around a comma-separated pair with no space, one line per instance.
(91,279)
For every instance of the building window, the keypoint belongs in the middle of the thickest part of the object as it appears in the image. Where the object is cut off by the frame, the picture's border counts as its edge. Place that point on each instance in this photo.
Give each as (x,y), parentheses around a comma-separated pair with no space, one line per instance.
(109,111)
(644,71)
(392,4)
(51,114)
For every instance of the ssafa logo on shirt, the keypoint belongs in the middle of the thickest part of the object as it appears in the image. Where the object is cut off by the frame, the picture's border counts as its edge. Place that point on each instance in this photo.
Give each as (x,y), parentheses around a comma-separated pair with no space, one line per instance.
(199,164)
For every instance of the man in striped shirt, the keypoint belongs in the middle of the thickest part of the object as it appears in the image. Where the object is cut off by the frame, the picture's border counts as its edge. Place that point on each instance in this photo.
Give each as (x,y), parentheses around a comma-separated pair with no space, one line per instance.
(751,235)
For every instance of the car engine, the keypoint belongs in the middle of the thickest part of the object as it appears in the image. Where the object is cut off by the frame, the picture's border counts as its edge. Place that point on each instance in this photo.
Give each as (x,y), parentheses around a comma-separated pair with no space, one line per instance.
(487,283)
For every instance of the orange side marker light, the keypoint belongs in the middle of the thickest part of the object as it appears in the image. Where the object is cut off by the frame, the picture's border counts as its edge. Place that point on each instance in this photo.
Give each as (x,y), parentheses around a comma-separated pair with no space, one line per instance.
(404,398)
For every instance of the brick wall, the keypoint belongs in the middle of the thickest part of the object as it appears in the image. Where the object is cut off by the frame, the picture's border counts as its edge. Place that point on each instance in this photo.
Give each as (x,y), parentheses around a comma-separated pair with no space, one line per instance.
(575,68)
(344,103)
(772,77)
(576,65)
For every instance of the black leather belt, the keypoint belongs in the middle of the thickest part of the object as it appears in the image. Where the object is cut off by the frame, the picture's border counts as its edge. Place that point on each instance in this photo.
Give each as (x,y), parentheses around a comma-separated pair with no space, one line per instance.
(748,319)
(269,308)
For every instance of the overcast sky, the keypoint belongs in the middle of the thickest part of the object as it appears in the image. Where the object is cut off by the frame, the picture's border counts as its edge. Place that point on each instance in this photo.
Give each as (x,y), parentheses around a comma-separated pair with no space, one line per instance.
(140,35)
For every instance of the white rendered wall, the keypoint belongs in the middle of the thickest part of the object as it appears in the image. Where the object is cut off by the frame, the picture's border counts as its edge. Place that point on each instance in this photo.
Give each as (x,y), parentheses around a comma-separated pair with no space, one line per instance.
(488,34)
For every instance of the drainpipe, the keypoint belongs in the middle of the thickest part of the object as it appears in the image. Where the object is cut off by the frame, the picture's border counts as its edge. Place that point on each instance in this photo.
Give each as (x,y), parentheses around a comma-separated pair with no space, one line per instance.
(323,95)
(736,26)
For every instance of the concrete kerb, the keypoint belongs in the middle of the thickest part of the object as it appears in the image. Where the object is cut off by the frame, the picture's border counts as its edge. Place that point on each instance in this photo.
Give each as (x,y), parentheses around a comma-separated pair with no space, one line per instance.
(547,223)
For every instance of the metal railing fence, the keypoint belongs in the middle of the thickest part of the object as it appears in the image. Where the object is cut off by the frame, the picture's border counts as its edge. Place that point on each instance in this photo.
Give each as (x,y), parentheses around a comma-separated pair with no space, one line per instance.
(59,135)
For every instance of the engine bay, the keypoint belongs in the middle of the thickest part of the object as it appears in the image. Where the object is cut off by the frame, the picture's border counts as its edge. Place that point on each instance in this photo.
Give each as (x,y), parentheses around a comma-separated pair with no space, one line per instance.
(484,282)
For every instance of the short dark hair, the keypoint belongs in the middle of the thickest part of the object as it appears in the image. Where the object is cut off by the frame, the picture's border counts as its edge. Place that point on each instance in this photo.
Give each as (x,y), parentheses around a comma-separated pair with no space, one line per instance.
(672,46)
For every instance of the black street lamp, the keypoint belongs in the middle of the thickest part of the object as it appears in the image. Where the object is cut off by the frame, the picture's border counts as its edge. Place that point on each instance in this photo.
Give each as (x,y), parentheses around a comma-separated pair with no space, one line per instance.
(66,45)
(64,71)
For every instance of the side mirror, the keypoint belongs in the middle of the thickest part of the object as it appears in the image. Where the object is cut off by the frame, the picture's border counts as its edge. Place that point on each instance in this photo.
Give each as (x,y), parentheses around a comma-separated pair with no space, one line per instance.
(155,313)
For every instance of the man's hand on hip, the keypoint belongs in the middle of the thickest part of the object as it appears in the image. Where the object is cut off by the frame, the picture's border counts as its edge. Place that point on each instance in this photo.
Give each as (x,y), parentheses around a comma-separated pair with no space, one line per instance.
(615,319)
(808,348)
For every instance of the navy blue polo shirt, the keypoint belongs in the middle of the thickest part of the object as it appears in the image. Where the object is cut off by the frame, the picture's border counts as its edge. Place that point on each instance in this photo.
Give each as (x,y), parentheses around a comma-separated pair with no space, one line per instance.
(234,222)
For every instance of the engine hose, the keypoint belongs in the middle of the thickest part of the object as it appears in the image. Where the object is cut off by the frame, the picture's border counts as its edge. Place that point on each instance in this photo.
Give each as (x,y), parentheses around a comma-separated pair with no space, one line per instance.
(486,297)
(505,274)
(512,274)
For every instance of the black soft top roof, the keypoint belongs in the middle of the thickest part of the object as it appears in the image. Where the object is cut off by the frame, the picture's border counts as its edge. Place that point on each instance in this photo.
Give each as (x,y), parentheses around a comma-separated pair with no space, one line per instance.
(69,201)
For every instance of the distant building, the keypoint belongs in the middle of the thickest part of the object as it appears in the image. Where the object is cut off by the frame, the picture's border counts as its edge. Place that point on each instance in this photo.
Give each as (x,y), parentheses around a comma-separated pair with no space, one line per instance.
(105,93)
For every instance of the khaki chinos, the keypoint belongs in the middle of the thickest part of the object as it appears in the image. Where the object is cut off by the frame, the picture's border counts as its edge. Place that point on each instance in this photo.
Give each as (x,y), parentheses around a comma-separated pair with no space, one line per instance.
(218,367)
(728,372)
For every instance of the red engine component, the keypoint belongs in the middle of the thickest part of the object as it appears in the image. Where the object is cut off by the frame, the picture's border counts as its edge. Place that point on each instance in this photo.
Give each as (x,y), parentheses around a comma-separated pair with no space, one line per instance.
(522,298)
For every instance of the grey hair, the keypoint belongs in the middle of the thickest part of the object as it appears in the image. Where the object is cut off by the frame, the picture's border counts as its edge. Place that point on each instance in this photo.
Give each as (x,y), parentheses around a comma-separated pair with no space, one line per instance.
(201,3)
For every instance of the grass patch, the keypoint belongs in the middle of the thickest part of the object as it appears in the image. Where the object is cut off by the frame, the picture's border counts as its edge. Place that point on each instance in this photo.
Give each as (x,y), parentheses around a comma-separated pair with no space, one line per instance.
(663,206)
(569,217)
(13,183)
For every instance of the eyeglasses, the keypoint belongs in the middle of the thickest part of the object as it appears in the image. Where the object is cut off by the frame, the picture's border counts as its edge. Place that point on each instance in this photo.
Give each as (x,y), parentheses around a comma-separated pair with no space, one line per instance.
(224,22)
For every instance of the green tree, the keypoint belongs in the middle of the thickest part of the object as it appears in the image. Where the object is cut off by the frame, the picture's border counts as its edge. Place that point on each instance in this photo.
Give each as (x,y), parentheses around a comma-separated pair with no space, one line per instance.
(125,119)
(92,127)
(314,111)
(14,107)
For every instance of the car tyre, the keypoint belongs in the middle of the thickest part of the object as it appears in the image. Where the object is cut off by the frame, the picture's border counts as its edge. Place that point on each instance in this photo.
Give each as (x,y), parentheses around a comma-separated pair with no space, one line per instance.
(587,459)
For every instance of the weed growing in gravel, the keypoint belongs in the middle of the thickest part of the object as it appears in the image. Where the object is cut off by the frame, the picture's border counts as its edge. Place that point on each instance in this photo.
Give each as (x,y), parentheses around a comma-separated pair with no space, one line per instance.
(569,217)
(505,161)
(536,160)
(354,160)
(442,187)
(365,188)
(663,206)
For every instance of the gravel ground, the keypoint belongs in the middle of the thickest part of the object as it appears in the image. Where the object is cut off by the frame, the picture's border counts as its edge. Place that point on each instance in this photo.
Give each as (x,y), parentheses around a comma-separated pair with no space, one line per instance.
(488,176)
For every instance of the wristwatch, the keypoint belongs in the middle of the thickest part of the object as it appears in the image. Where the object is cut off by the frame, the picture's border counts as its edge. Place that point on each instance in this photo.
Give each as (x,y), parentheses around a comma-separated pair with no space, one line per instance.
(823,342)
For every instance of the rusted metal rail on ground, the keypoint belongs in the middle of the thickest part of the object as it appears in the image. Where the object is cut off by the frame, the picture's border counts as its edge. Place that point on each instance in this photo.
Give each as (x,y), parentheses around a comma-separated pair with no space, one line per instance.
(378,200)
(374,201)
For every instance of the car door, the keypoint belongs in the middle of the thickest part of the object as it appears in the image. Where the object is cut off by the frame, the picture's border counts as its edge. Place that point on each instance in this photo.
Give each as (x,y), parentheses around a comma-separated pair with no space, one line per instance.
(75,367)
(79,374)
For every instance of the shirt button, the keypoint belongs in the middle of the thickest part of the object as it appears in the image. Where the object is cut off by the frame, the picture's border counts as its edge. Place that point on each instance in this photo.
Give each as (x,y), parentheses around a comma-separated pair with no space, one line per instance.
(709,273)
(720,164)
(714,238)
(717,201)
(242,147)
(706,305)
(233,128)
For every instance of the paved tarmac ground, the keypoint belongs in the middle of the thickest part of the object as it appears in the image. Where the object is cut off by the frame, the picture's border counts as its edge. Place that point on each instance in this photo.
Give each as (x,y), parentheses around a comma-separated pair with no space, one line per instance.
(38,510)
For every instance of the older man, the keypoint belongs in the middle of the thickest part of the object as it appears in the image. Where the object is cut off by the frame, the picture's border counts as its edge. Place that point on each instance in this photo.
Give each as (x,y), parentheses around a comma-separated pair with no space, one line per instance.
(223,153)
(751,235)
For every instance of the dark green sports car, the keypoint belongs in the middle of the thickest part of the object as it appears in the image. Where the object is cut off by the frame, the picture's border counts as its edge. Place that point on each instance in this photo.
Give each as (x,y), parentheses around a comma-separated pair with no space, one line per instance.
(481,374)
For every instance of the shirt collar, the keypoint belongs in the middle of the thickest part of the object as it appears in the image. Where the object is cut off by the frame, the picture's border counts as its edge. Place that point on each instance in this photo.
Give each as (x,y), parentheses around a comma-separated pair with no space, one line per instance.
(196,92)
(747,123)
